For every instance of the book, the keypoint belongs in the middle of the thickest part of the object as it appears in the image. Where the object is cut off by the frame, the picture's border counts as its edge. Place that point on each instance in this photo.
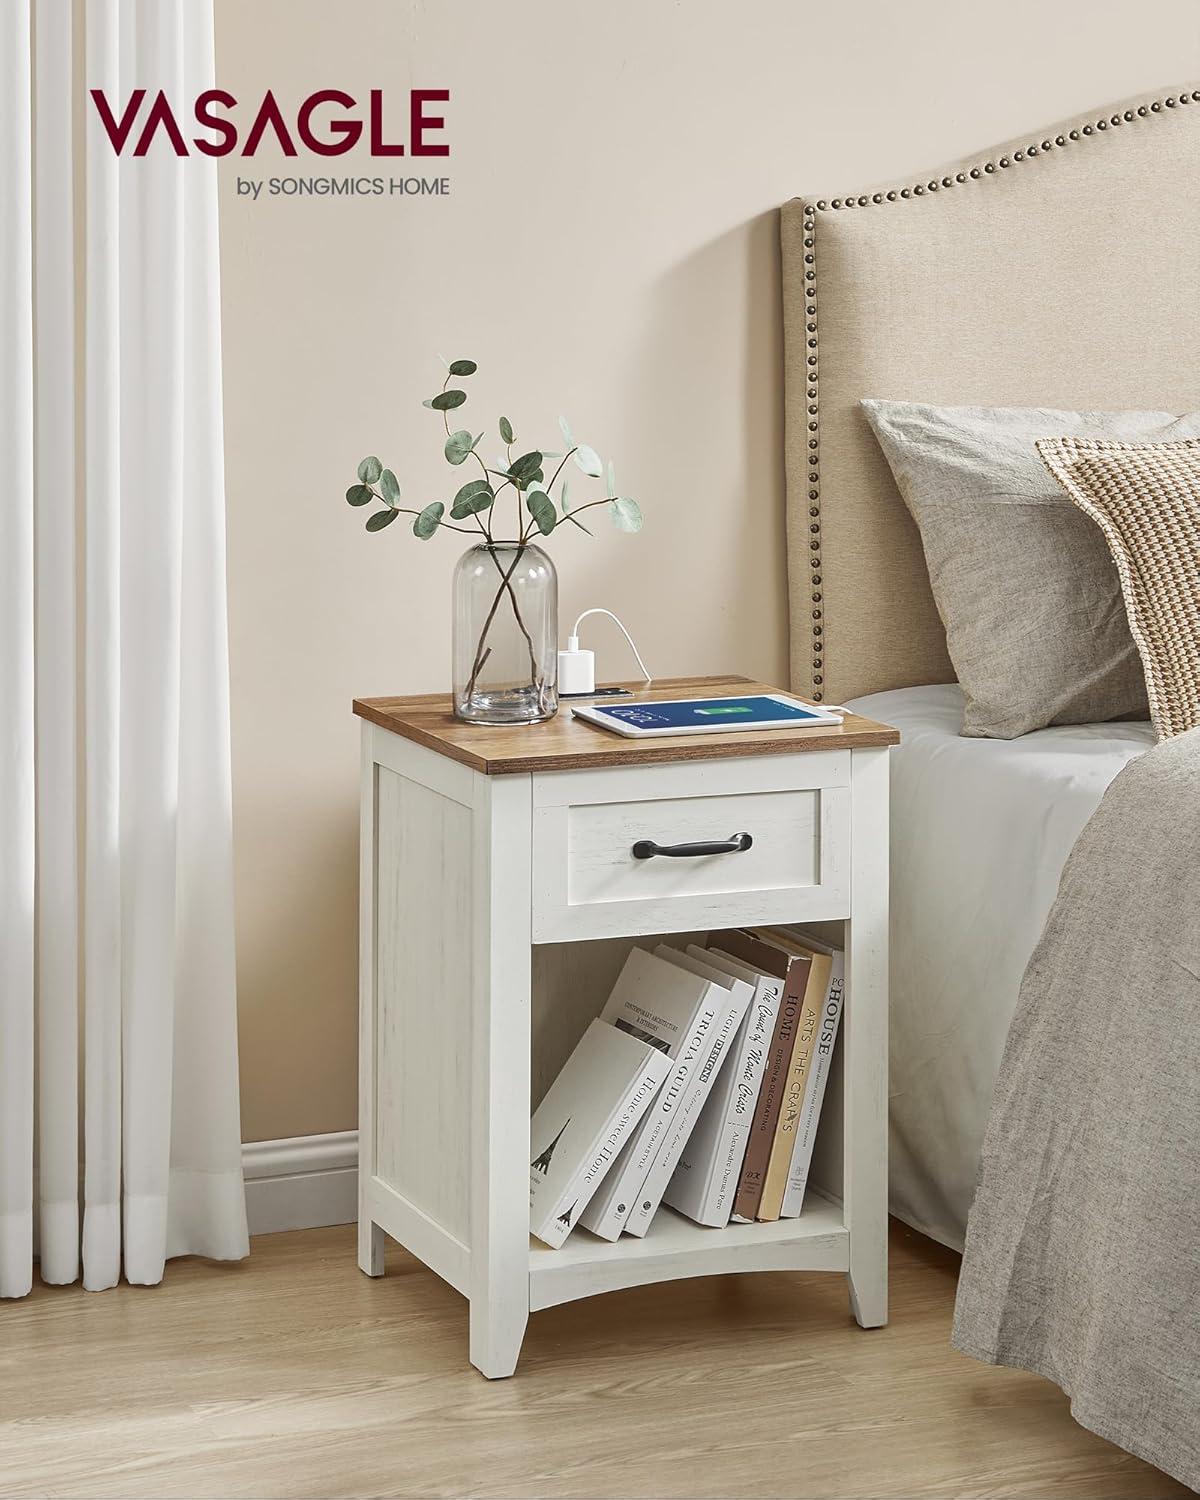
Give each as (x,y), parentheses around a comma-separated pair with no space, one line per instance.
(791,1104)
(602,1091)
(706,1176)
(705,1065)
(671,1008)
(749,947)
(818,1077)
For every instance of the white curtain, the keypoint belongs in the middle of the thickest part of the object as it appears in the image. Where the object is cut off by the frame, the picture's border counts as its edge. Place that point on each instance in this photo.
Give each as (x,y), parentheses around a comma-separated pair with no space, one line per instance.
(119,1124)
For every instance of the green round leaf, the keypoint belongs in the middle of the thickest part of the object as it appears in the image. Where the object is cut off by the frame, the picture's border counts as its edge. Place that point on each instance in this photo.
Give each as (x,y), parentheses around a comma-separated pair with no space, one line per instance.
(428,521)
(506,432)
(565,428)
(588,460)
(522,470)
(380,519)
(458,446)
(541,508)
(369,470)
(471,499)
(626,514)
(463,367)
(448,400)
(390,487)
(359,494)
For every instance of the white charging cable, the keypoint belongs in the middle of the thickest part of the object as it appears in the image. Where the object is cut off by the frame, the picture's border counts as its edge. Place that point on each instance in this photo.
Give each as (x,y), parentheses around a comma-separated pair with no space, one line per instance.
(577,669)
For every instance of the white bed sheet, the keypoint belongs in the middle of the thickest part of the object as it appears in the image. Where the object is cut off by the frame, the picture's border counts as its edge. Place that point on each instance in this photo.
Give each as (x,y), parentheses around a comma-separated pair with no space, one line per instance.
(980,832)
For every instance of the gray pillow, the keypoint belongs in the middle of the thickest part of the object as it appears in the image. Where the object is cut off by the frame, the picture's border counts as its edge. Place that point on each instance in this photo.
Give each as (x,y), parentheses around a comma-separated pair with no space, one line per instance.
(1023,580)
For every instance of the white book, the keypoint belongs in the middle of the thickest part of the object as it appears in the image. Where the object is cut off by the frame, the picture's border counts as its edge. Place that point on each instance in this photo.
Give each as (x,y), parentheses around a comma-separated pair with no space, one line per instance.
(704,1068)
(705,1180)
(671,1008)
(818,1077)
(604,1088)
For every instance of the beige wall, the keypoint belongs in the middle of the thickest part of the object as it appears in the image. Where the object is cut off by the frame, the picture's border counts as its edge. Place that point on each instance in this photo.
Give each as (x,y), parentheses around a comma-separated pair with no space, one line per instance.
(609,251)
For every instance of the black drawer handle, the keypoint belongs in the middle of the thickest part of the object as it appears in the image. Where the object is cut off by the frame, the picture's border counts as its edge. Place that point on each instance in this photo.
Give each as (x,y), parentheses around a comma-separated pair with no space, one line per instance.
(647,848)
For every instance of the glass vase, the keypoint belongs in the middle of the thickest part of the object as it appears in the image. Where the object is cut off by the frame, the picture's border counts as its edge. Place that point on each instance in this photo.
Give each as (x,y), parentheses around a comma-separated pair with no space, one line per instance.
(505,634)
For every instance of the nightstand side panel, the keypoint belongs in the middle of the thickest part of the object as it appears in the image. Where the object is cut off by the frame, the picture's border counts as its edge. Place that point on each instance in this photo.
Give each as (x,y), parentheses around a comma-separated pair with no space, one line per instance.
(424,983)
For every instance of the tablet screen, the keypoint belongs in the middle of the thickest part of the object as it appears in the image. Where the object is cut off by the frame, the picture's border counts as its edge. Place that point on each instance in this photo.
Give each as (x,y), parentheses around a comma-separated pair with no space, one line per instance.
(710,713)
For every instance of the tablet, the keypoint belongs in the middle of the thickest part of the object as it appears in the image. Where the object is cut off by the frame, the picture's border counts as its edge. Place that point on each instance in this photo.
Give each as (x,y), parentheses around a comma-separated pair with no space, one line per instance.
(705,715)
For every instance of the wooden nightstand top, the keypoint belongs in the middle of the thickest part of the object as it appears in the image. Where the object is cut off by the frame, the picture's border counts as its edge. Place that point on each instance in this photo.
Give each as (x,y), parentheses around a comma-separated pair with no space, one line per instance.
(565,743)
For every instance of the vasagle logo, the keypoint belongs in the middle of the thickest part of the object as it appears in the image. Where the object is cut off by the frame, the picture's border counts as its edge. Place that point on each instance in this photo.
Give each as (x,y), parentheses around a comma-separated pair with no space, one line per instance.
(324,132)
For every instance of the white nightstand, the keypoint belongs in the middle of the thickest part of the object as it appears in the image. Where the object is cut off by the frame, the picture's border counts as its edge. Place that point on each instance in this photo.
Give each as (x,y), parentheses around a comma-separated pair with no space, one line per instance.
(496,878)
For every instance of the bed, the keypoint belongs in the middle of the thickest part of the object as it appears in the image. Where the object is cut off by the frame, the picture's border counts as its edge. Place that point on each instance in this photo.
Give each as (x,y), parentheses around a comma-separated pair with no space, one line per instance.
(1061,270)
(981,829)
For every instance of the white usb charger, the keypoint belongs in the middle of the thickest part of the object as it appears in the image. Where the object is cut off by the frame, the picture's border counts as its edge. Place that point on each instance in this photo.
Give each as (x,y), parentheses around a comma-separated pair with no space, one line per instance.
(577,668)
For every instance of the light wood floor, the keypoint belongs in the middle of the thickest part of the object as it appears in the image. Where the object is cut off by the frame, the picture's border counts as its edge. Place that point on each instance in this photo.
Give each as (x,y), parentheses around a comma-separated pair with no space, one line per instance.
(293,1375)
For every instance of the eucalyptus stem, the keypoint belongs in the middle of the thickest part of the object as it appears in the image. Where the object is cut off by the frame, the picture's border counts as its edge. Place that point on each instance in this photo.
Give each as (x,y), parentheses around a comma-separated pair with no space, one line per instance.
(406,510)
(505,586)
(485,527)
(560,468)
(505,578)
(505,583)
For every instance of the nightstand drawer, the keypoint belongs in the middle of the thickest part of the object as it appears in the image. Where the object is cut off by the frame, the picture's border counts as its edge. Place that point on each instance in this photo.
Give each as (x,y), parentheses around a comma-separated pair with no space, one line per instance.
(588,882)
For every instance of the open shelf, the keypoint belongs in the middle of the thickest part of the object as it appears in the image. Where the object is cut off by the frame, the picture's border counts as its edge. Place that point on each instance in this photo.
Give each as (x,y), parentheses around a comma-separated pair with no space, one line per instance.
(675,1247)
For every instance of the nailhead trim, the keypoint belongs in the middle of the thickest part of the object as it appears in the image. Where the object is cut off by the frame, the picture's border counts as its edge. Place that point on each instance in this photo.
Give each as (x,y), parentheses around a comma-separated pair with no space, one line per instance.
(892,195)
(814,473)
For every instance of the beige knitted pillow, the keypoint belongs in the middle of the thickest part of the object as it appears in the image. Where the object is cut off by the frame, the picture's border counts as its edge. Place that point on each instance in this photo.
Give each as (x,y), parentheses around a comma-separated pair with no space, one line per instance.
(1146,500)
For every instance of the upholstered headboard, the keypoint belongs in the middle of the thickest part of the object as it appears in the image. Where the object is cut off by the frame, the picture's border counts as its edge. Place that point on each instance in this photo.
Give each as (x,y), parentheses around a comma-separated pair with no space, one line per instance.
(1060,270)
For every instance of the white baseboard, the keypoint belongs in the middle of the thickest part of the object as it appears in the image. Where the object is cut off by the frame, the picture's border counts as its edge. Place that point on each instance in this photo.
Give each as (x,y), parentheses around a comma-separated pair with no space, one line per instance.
(302,1183)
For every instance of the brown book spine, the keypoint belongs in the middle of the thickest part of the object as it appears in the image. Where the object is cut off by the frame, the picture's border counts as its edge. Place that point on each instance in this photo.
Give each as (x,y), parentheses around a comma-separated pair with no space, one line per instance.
(794,972)
(794,1085)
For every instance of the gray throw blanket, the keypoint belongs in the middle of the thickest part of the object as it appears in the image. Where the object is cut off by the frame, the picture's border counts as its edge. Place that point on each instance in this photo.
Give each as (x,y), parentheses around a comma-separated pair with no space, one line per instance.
(1082,1259)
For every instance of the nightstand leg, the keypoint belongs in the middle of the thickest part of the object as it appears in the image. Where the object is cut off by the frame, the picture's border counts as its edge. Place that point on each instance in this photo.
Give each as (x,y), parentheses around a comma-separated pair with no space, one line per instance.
(370,1247)
(370,1236)
(865,1040)
(502,873)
